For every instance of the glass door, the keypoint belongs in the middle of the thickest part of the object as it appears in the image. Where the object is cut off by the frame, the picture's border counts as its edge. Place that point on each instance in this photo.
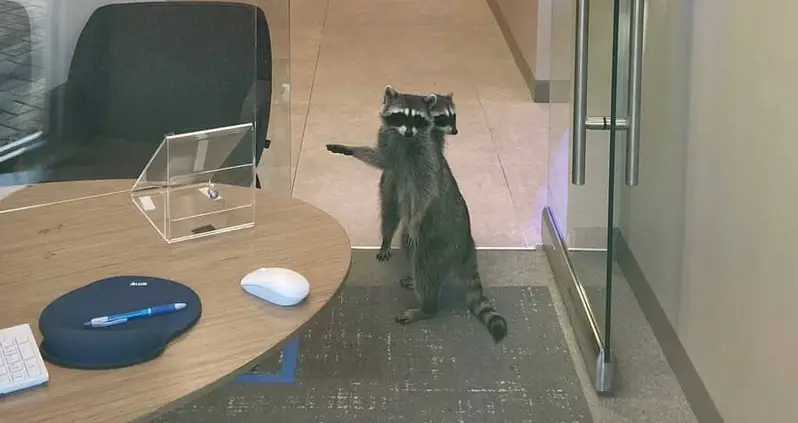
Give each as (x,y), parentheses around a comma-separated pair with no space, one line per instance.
(593,110)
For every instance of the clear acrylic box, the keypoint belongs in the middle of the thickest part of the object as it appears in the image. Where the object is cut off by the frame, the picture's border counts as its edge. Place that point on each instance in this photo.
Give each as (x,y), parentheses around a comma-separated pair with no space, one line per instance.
(200,183)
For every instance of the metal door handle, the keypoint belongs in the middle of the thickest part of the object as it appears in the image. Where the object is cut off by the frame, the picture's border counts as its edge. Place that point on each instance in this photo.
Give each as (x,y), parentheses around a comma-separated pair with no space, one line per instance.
(580,93)
(635,82)
(581,122)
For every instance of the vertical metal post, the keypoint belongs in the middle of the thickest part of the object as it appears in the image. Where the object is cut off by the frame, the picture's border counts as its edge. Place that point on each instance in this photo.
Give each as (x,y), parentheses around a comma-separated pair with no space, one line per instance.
(580,93)
(635,83)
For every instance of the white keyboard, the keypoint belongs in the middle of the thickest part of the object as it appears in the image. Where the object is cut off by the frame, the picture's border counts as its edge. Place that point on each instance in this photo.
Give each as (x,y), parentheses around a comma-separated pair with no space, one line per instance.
(21,363)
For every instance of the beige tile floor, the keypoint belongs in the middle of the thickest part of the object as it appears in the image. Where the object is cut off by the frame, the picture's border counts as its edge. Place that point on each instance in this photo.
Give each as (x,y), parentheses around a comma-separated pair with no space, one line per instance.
(343,52)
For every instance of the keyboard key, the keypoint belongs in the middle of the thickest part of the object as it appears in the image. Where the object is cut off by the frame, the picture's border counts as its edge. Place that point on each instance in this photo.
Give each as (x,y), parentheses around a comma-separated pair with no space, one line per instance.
(11,359)
(21,364)
(26,351)
(32,367)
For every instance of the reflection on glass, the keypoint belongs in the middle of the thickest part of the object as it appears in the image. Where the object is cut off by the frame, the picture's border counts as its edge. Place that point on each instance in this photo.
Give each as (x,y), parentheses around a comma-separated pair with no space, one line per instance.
(22,87)
(89,89)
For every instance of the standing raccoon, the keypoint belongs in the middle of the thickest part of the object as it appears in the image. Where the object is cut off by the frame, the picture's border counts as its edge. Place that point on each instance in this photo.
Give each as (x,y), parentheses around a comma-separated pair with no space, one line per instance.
(444,117)
(436,235)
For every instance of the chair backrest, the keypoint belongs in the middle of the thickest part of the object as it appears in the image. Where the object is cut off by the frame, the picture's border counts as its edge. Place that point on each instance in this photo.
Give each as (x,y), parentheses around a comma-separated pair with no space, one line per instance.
(146,69)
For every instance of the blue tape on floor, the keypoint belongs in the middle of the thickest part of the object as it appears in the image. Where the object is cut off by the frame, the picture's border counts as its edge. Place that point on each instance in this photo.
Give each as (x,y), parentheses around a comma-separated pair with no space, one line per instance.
(287,369)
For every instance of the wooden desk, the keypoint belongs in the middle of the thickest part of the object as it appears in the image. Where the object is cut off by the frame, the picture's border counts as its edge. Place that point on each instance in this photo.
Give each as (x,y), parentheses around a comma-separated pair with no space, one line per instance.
(48,251)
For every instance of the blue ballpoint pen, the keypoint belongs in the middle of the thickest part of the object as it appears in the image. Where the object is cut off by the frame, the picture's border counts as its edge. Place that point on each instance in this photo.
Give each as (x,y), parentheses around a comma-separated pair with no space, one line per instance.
(116,319)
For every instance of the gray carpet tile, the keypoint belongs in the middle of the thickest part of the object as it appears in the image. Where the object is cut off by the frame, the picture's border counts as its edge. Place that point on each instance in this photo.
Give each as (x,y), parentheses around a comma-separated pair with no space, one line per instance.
(497,267)
(356,365)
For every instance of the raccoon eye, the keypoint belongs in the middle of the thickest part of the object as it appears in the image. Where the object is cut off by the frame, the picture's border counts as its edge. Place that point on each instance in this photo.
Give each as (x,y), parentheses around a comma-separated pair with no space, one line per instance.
(441,120)
(396,119)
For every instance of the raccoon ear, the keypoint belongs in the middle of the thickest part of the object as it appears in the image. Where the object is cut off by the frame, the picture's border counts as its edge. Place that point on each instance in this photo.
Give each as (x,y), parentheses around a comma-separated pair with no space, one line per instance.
(449,94)
(430,99)
(390,92)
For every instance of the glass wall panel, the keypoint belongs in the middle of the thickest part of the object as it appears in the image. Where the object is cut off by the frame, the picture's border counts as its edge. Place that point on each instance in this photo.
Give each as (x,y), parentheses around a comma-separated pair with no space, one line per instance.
(90,88)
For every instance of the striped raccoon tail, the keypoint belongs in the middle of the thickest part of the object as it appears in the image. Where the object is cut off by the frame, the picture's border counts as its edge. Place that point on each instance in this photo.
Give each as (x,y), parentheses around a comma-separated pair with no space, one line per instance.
(486,314)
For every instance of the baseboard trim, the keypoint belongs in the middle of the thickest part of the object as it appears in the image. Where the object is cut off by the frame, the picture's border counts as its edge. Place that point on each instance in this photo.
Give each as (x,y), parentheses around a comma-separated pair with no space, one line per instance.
(694,389)
(600,367)
(540,90)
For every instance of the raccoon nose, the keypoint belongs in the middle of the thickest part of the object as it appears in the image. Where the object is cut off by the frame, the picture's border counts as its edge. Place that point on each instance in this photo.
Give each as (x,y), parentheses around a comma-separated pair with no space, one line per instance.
(454,131)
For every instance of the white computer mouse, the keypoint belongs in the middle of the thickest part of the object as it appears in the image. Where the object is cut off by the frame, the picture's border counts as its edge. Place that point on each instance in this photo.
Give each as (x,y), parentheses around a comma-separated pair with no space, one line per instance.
(276,285)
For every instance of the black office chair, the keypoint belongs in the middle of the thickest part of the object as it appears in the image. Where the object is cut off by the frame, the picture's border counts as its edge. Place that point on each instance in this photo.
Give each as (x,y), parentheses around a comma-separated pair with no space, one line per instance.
(143,70)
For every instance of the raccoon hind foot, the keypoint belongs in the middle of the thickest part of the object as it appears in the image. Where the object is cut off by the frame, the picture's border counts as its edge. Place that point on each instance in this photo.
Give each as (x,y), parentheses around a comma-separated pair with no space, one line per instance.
(413,315)
(407,282)
(384,255)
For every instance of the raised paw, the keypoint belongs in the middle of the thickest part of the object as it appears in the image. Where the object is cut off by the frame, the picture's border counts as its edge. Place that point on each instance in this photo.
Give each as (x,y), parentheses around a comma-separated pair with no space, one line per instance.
(384,255)
(339,149)
(407,282)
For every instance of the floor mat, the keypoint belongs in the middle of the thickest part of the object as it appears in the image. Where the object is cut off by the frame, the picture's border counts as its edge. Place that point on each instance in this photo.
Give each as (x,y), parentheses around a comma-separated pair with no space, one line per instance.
(356,365)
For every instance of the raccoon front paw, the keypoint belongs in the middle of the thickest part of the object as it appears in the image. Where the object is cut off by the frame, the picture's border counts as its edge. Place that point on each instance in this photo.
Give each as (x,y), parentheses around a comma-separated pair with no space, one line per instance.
(411,240)
(339,149)
(407,282)
(413,231)
(384,255)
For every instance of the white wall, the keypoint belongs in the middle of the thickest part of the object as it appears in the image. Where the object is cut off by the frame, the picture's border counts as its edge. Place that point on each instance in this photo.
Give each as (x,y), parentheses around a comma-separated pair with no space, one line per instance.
(713,223)
(738,314)
(652,214)
(522,19)
(543,55)
(530,24)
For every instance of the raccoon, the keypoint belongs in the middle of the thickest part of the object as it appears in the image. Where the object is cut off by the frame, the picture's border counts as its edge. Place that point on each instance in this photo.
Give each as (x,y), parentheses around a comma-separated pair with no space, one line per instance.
(436,234)
(444,118)
(444,114)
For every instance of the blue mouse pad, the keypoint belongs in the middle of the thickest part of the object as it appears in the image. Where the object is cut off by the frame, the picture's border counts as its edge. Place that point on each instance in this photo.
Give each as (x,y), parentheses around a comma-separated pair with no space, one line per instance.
(67,343)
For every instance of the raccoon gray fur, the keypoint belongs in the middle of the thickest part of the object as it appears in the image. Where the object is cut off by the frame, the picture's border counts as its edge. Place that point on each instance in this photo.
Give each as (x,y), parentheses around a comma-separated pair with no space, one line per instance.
(436,235)
(444,116)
